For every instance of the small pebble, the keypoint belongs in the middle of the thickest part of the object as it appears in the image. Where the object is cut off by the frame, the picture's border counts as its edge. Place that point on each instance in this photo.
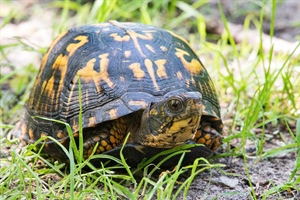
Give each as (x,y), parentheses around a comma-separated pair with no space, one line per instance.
(226,181)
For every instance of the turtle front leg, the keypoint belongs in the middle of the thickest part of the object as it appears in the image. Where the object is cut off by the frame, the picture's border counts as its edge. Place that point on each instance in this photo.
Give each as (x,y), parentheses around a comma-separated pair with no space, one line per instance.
(208,136)
(107,136)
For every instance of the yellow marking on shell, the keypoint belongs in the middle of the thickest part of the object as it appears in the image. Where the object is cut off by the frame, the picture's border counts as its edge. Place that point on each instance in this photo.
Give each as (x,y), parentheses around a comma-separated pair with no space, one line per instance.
(60,65)
(137,103)
(203,108)
(60,135)
(88,73)
(215,114)
(194,66)
(76,134)
(31,135)
(118,38)
(150,48)
(137,71)
(113,114)
(75,127)
(63,60)
(181,38)
(149,66)
(44,61)
(161,70)
(134,36)
(43,135)
(101,24)
(201,87)
(70,99)
(104,69)
(24,128)
(163,48)
(72,47)
(179,75)
(92,121)
(127,54)
(122,78)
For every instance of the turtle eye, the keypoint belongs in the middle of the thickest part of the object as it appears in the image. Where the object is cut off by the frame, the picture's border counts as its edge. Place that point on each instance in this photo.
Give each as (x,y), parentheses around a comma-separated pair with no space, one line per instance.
(175,104)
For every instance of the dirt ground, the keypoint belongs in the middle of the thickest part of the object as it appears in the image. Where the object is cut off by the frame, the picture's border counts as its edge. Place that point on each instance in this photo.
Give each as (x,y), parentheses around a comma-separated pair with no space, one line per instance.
(231,182)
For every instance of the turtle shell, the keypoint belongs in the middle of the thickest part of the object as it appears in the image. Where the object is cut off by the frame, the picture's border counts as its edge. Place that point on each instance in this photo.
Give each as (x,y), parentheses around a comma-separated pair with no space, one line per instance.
(110,70)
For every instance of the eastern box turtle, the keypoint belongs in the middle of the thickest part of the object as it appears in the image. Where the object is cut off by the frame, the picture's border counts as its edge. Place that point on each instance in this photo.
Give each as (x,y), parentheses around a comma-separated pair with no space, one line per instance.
(135,79)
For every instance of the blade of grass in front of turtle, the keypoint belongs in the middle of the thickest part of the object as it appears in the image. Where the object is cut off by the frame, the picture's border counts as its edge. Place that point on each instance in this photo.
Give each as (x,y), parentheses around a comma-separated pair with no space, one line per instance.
(175,151)
(168,179)
(69,131)
(33,175)
(124,161)
(79,157)
(69,153)
(122,190)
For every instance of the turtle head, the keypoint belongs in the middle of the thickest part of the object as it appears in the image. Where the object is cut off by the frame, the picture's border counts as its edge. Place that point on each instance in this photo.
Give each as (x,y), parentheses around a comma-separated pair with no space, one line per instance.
(170,122)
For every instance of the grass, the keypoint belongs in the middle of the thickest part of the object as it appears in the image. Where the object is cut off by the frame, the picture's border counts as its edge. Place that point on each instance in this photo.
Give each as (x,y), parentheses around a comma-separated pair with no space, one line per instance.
(259,89)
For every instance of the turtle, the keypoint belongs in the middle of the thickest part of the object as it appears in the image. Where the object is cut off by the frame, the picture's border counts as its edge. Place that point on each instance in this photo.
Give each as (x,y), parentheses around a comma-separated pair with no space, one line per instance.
(118,80)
